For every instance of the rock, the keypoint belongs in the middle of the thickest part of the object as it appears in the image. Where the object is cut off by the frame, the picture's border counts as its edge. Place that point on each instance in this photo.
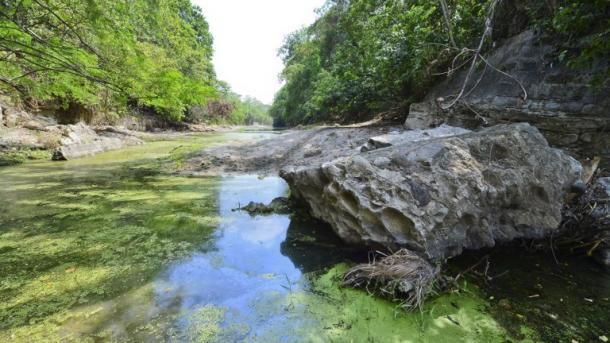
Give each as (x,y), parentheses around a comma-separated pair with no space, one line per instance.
(21,138)
(599,217)
(14,117)
(306,147)
(602,185)
(81,140)
(397,137)
(33,125)
(279,205)
(578,188)
(23,132)
(76,150)
(560,102)
(442,195)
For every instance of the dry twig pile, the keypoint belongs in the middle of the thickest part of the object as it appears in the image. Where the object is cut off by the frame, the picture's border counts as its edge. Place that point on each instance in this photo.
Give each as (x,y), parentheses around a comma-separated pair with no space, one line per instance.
(403,275)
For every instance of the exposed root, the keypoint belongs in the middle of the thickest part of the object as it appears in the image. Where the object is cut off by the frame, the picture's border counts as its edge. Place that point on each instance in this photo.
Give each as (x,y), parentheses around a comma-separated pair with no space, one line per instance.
(586,218)
(403,275)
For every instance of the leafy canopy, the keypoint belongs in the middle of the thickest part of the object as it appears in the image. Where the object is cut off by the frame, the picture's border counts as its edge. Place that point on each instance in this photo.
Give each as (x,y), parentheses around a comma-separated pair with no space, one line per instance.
(362,57)
(106,54)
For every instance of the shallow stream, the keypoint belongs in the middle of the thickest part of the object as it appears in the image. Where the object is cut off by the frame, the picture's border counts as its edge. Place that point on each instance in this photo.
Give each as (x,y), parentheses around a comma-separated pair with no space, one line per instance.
(116,247)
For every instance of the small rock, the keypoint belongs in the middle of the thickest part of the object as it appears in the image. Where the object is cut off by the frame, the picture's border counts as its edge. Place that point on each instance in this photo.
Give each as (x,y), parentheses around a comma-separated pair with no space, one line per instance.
(579,187)
(279,205)
(603,185)
(312,152)
(33,125)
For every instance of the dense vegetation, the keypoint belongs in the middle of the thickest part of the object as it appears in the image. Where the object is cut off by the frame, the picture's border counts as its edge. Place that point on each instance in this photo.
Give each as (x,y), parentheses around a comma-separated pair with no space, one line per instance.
(363,57)
(230,108)
(109,56)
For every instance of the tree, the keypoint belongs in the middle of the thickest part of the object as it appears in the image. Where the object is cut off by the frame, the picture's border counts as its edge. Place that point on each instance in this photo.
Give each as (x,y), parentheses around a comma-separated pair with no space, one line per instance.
(107,54)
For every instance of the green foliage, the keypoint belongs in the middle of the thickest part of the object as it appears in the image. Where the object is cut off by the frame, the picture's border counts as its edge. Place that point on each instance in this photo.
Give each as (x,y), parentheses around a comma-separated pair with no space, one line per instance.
(363,57)
(106,54)
(583,27)
(231,108)
(366,56)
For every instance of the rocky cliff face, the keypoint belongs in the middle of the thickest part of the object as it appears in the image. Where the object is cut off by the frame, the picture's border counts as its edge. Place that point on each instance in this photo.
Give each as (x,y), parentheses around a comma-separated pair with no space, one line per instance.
(438,196)
(21,130)
(560,102)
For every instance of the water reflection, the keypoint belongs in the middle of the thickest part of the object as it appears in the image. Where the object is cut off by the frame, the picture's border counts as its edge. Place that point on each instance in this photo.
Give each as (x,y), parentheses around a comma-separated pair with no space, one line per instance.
(85,247)
(244,262)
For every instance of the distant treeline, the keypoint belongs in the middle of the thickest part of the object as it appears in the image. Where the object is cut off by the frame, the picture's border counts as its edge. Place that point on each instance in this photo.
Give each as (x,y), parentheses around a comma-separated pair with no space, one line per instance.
(363,57)
(113,57)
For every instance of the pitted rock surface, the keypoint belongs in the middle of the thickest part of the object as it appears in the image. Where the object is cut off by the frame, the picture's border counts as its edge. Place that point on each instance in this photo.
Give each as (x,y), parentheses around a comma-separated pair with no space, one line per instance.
(442,195)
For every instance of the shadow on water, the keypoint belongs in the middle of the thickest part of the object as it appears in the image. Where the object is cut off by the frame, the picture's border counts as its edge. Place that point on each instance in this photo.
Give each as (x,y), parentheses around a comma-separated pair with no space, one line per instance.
(562,298)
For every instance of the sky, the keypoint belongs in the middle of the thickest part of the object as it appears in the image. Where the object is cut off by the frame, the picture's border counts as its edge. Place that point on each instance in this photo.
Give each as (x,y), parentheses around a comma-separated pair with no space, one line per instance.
(247,35)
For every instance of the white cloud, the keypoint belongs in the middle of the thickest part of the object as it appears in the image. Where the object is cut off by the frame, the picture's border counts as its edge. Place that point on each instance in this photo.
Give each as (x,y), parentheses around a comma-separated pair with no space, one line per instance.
(247,35)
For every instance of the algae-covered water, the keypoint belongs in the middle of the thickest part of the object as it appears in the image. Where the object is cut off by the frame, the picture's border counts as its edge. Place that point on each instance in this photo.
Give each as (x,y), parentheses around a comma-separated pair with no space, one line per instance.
(117,248)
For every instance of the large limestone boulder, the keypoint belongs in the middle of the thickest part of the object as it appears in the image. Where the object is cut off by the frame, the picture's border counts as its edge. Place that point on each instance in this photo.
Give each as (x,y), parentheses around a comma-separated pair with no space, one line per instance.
(400,137)
(442,195)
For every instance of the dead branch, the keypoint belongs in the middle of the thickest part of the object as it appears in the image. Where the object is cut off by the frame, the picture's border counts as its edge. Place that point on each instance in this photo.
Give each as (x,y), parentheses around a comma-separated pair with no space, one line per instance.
(403,275)
(486,33)
(445,103)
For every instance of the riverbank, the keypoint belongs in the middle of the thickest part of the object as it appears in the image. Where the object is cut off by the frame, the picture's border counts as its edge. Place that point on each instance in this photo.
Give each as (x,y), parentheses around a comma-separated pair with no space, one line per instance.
(437,192)
(118,246)
(26,136)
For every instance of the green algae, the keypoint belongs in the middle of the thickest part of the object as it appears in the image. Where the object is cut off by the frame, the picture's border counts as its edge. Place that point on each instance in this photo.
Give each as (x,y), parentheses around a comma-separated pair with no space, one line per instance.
(84,231)
(330,313)
(15,157)
(536,296)
(203,324)
(81,241)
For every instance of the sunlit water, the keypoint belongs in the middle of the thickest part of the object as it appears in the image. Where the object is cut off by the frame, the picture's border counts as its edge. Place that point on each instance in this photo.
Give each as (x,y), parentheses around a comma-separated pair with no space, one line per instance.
(117,248)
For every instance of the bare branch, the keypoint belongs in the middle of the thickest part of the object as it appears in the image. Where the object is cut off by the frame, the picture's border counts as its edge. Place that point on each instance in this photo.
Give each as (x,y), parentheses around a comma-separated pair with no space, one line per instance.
(486,33)
(448,21)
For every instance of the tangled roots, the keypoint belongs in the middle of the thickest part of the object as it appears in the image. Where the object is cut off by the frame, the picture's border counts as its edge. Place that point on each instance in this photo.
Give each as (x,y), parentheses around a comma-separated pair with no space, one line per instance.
(403,275)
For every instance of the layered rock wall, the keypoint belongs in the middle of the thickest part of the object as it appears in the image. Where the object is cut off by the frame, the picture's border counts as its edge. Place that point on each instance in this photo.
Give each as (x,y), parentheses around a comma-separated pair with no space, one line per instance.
(22,130)
(566,105)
